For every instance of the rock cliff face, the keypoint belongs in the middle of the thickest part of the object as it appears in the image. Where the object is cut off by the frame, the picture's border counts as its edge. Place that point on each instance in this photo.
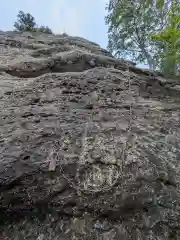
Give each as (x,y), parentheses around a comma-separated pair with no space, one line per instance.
(89,144)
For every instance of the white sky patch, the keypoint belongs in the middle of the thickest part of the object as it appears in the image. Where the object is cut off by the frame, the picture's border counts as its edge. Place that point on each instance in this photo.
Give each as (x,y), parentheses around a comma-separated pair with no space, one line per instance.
(71,17)
(67,18)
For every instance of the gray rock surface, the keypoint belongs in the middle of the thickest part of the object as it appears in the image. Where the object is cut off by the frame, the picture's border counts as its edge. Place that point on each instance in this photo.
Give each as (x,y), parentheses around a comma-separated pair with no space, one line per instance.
(89,144)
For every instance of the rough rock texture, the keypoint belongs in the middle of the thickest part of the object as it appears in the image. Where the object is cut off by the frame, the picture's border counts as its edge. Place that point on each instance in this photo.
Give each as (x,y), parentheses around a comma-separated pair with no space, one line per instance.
(89,144)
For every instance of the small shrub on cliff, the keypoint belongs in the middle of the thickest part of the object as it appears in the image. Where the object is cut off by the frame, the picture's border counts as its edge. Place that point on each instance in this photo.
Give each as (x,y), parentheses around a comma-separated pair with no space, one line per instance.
(44,29)
(65,34)
(26,22)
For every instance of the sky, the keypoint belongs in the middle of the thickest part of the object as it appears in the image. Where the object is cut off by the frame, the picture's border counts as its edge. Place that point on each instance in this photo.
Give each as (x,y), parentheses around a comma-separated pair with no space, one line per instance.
(84,18)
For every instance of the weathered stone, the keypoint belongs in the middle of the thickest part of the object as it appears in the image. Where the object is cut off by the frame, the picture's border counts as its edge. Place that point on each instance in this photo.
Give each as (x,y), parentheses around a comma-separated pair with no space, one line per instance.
(89,144)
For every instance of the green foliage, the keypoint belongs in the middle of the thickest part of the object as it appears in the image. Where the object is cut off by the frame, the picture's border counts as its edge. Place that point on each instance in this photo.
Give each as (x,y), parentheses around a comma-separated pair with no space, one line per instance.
(130,25)
(26,22)
(44,29)
(170,38)
(146,31)
(158,3)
